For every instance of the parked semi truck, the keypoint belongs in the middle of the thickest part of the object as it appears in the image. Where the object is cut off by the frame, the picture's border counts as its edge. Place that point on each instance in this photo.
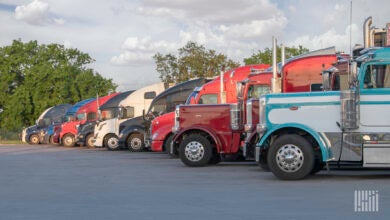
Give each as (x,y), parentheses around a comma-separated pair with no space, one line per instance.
(106,133)
(205,133)
(85,114)
(301,132)
(209,93)
(136,131)
(107,110)
(33,134)
(70,115)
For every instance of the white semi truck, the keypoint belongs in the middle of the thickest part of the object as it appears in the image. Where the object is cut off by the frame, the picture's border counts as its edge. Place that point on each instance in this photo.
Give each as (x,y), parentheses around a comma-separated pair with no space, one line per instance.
(301,132)
(107,129)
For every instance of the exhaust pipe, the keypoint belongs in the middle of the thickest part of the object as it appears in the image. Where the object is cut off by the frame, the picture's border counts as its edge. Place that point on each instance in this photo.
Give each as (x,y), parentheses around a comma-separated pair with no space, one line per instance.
(274,64)
(276,81)
(366,32)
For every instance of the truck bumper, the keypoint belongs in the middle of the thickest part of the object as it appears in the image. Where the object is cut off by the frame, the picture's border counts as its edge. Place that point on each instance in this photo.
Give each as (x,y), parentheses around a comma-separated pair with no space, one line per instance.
(80,140)
(157,146)
(257,154)
(97,142)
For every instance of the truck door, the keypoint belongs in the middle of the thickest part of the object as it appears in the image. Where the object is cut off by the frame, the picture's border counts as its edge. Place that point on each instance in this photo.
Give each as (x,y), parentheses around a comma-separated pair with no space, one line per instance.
(375,97)
(374,111)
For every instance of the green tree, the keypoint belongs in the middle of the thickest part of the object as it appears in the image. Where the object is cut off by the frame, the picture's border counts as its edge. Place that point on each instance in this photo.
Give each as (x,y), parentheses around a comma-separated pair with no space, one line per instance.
(34,77)
(265,56)
(193,61)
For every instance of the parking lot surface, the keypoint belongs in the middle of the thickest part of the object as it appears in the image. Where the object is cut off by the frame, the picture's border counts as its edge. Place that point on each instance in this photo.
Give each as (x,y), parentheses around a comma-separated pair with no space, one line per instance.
(52,182)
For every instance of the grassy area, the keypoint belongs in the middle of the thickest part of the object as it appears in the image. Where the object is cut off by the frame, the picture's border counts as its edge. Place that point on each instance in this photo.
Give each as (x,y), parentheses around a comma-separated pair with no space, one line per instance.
(10,142)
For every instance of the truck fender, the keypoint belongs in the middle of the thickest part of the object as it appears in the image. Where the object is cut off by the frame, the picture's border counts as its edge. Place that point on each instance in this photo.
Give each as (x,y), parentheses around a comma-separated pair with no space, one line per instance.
(324,145)
(210,132)
(124,134)
(162,132)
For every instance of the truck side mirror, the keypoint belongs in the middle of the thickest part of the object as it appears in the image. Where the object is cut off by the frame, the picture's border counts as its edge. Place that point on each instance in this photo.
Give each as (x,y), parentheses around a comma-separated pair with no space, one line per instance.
(240,90)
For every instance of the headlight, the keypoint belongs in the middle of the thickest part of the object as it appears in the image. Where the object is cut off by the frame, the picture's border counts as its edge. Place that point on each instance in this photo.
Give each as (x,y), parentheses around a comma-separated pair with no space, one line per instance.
(261,128)
(154,136)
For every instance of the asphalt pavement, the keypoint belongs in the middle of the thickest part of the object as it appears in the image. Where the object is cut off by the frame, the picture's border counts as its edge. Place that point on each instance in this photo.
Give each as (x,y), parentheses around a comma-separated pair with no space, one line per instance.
(52,182)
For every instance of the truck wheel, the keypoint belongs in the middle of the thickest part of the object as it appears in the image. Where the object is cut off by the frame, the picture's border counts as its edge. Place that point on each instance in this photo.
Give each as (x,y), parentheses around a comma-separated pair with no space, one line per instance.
(111,142)
(195,151)
(167,143)
(68,140)
(135,143)
(34,139)
(291,157)
(88,140)
(51,139)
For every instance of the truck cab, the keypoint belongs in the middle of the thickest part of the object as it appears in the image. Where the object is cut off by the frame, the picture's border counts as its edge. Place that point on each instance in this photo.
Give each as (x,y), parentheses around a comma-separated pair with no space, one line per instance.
(69,116)
(106,132)
(209,93)
(301,132)
(35,134)
(135,135)
(85,114)
(107,110)
(204,134)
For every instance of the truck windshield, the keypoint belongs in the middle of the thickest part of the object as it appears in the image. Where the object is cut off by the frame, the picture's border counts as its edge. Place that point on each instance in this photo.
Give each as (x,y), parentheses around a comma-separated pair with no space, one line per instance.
(208,99)
(80,116)
(109,113)
(377,76)
(159,107)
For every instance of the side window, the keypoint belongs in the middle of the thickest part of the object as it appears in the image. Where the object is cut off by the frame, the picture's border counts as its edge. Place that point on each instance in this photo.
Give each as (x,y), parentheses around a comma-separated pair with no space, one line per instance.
(81,116)
(377,76)
(128,112)
(160,106)
(91,116)
(255,91)
(208,99)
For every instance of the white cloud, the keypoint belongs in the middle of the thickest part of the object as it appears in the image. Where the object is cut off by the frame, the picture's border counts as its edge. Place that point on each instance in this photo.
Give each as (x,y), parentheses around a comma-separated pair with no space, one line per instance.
(256,28)
(36,13)
(328,39)
(132,58)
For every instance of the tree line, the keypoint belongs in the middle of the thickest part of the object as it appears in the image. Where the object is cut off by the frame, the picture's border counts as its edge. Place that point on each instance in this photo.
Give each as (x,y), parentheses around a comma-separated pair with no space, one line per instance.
(34,77)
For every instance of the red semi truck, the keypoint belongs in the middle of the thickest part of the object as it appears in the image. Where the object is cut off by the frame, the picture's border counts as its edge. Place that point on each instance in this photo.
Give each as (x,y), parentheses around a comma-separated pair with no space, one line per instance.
(205,133)
(86,113)
(209,93)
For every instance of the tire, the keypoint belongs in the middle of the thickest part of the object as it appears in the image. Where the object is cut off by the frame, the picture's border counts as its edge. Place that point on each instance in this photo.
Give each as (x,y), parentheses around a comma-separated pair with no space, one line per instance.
(301,157)
(68,140)
(111,142)
(34,139)
(195,151)
(135,143)
(51,139)
(88,140)
(167,143)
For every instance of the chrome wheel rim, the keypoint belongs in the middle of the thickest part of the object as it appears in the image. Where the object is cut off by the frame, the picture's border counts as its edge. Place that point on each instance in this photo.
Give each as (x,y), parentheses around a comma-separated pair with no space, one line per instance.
(89,142)
(194,151)
(112,142)
(136,143)
(289,158)
(68,141)
(34,139)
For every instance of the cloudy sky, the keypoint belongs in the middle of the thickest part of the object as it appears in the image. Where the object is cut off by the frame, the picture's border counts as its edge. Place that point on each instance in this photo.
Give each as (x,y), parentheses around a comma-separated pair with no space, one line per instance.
(123,35)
